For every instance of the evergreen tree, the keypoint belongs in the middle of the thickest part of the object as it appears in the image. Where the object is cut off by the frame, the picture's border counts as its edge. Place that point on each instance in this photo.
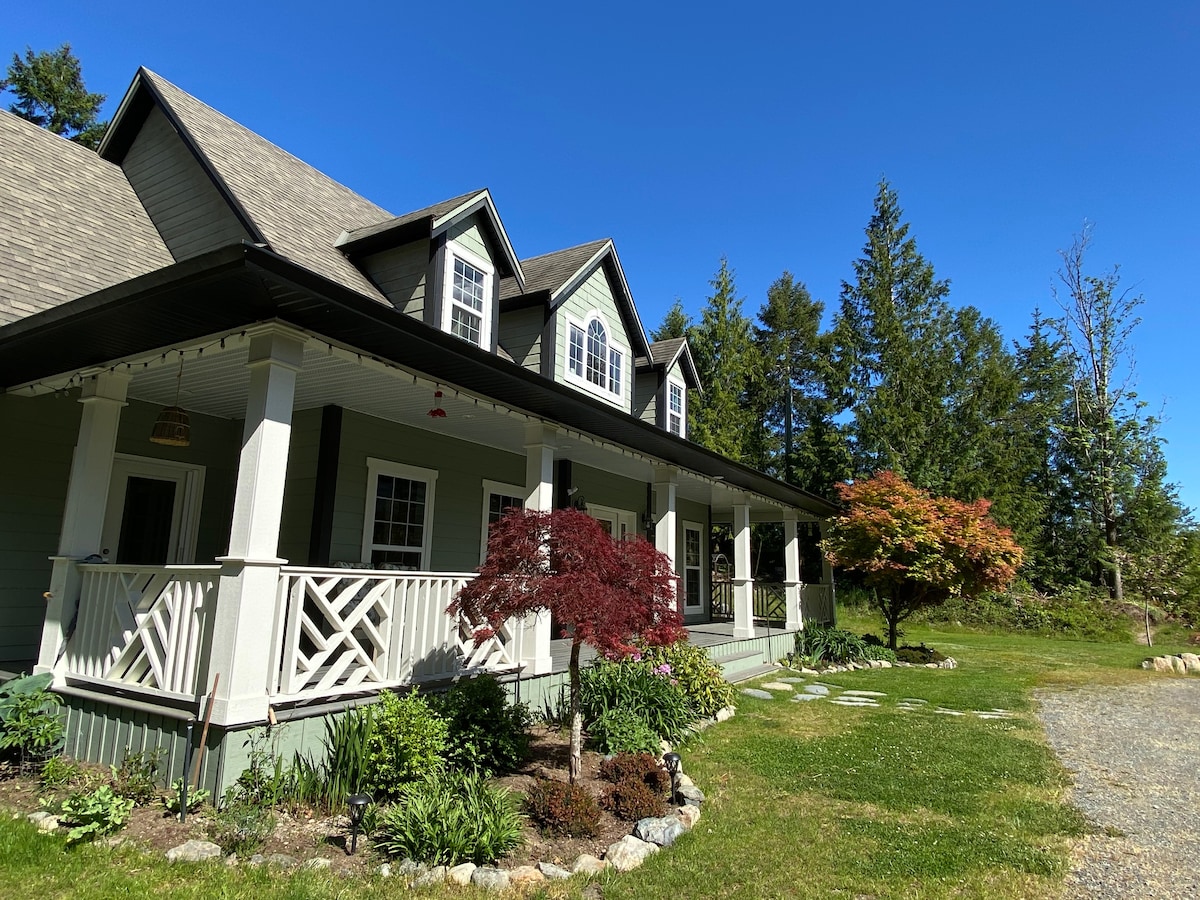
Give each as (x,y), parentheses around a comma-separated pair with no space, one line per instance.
(675,323)
(51,94)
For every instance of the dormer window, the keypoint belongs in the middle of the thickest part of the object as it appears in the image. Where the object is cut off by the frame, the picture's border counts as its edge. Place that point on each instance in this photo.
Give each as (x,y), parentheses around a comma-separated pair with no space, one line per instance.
(594,361)
(675,407)
(467,304)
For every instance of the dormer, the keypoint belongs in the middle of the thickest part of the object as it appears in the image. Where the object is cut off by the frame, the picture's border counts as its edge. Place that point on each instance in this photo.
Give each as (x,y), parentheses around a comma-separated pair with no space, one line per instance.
(666,379)
(574,321)
(442,264)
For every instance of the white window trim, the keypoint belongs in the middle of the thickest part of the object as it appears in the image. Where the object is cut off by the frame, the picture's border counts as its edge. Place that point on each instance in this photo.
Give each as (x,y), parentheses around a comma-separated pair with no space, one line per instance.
(377,467)
(618,517)
(617,398)
(504,490)
(683,407)
(454,249)
(699,605)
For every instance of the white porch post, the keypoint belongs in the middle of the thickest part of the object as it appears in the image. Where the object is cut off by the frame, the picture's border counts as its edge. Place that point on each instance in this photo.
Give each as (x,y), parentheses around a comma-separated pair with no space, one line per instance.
(539,497)
(666,481)
(743,584)
(243,620)
(791,572)
(87,496)
(827,578)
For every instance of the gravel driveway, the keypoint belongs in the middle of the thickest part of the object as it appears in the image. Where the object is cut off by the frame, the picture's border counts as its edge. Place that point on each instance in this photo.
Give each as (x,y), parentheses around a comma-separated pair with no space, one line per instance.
(1133,752)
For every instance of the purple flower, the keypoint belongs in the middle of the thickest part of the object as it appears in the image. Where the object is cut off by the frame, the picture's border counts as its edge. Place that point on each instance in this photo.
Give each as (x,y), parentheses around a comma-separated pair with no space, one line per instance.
(664,669)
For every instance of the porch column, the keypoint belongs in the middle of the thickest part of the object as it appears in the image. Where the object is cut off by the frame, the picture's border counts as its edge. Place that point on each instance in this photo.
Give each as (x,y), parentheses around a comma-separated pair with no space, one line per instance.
(539,497)
(666,531)
(791,572)
(243,622)
(743,584)
(83,516)
(827,579)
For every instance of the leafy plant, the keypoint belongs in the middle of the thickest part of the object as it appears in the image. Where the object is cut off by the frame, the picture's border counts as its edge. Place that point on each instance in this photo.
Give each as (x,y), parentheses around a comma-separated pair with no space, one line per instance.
(136,777)
(487,734)
(640,688)
(97,812)
(449,818)
(59,771)
(824,643)
(633,799)
(408,742)
(345,770)
(30,722)
(919,655)
(698,676)
(195,798)
(240,827)
(642,767)
(264,782)
(560,808)
(622,731)
(872,651)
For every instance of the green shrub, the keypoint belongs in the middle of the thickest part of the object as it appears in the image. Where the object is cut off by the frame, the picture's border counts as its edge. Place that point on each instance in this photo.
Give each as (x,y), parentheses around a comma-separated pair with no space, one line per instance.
(449,818)
(824,643)
(59,771)
(195,798)
(874,651)
(241,828)
(93,813)
(408,742)
(622,731)
(1075,611)
(346,766)
(30,721)
(699,677)
(487,734)
(633,799)
(560,808)
(265,781)
(919,655)
(636,687)
(642,767)
(136,777)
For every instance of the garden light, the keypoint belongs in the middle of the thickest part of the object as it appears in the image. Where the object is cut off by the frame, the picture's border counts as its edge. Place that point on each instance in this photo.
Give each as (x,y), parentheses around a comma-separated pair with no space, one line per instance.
(673,761)
(358,806)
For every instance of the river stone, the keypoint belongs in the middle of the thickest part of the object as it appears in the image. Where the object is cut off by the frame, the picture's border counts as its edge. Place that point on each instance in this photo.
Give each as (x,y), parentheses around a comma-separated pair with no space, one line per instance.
(490,878)
(757,694)
(586,864)
(258,860)
(194,851)
(689,816)
(659,830)
(436,875)
(948,663)
(553,872)
(777,686)
(525,875)
(724,714)
(818,690)
(282,861)
(691,795)
(43,820)
(629,852)
(384,871)
(461,874)
(1191,661)
(682,780)
(317,862)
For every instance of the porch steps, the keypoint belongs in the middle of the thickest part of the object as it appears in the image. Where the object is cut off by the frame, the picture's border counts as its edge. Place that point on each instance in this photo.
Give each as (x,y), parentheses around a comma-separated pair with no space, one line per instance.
(735,666)
(747,674)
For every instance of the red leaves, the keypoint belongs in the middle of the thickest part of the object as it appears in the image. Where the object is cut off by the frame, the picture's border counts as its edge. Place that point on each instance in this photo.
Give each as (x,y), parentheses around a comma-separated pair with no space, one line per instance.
(608,593)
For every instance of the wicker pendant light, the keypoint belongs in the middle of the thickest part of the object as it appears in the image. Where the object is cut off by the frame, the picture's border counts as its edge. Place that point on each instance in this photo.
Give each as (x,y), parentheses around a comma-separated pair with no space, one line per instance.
(172,427)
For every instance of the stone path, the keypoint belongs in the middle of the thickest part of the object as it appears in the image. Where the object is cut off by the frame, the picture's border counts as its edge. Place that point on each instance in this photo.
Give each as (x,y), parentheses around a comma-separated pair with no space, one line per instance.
(801,690)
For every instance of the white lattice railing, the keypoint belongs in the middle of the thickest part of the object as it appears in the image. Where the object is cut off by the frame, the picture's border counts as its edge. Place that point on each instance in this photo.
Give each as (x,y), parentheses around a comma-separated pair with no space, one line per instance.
(344,630)
(142,625)
(816,603)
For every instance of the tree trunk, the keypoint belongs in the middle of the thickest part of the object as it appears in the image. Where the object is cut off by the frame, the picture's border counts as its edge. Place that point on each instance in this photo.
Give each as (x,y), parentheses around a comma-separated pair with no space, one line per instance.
(1149,639)
(576,763)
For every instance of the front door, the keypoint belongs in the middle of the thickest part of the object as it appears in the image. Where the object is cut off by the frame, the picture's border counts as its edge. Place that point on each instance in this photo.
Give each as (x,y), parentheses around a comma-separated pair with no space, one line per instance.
(152,512)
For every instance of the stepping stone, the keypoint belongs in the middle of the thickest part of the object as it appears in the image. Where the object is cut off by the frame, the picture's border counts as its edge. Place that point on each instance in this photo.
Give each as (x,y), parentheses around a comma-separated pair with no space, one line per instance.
(863,694)
(757,694)
(793,680)
(777,686)
(949,712)
(797,698)
(850,701)
(985,714)
(916,700)
(818,689)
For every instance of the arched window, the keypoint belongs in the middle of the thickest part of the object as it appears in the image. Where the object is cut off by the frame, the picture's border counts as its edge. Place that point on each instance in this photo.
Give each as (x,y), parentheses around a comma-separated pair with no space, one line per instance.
(597,353)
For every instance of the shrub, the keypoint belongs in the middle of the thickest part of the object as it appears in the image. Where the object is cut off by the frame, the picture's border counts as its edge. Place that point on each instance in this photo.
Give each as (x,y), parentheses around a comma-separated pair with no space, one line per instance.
(345,769)
(241,828)
(265,781)
(408,742)
(95,812)
(700,678)
(195,798)
(873,651)
(487,734)
(450,818)
(30,722)
(640,688)
(632,800)
(560,808)
(919,655)
(136,777)
(642,767)
(828,644)
(58,771)
(622,731)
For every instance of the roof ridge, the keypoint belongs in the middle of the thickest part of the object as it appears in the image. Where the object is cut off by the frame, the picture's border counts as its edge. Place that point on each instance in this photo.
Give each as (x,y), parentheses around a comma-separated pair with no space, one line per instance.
(597,243)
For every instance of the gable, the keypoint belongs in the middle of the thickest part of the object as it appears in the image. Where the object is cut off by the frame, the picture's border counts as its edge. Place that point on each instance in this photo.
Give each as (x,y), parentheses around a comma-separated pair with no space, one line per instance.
(593,300)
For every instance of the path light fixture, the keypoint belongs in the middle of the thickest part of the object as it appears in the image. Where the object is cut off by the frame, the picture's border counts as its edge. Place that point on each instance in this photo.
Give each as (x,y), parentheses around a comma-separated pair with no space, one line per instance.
(358,806)
(673,762)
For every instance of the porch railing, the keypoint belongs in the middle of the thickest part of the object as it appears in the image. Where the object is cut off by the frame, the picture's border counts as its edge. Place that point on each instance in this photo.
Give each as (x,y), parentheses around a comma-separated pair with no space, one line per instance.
(346,630)
(142,625)
(770,601)
(816,603)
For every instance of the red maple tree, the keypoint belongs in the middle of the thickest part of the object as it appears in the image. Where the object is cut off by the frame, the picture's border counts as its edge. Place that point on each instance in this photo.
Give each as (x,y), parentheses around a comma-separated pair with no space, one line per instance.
(607,593)
(917,550)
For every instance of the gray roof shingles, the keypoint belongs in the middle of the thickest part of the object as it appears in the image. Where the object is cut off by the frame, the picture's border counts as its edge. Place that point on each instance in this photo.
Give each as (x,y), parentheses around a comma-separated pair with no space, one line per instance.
(70,224)
(550,271)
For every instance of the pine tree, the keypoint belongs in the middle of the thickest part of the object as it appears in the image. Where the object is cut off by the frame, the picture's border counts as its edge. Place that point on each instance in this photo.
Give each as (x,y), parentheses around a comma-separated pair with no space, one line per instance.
(675,323)
(51,94)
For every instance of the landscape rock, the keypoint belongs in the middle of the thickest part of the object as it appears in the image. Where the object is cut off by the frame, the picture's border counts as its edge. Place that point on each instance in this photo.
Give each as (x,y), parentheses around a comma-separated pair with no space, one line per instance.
(777,686)
(436,875)
(553,872)
(1178,665)
(757,694)
(691,795)
(725,714)
(194,851)
(799,698)
(885,664)
(384,871)
(863,694)
(43,820)
(948,663)
(461,874)
(525,875)
(628,853)
(586,864)
(662,830)
(317,862)
(1191,661)
(258,860)
(689,816)
(818,689)
(282,861)
(490,878)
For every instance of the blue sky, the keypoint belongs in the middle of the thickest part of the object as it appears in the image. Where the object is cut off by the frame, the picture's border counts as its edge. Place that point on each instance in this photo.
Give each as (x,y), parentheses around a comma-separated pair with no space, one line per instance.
(754,131)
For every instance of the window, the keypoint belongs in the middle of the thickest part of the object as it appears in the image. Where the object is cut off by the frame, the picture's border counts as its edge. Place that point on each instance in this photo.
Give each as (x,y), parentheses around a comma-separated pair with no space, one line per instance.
(575,352)
(468,296)
(594,361)
(675,408)
(614,370)
(597,352)
(497,500)
(693,571)
(399,516)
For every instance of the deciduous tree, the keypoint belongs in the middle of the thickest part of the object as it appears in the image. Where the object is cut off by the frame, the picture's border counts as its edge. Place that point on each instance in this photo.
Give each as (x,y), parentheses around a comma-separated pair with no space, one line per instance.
(51,94)
(607,593)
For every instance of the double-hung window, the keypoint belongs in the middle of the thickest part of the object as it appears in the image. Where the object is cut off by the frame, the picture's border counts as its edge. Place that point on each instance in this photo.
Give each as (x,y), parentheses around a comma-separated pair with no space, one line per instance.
(497,500)
(594,361)
(399,515)
(675,408)
(467,300)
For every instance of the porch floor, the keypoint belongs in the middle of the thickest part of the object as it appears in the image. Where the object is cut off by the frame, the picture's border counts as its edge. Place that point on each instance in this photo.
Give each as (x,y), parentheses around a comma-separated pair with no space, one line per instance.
(704,634)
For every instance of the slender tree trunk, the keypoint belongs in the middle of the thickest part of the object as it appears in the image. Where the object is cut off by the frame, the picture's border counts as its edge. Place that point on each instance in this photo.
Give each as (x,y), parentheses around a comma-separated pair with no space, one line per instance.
(1149,639)
(576,764)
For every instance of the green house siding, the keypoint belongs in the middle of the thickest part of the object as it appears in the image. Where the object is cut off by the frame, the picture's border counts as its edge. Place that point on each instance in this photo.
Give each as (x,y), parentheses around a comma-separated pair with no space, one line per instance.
(521,336)
(295,530)
(645,397)
(606,489)
(594,295)
(458,491)
(402,273)
(468,235)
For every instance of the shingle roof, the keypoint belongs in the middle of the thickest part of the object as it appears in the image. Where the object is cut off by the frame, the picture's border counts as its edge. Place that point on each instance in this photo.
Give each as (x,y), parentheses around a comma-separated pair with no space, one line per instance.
(70,223)
(550,271)
(435,211)
(298,210)
(663,352)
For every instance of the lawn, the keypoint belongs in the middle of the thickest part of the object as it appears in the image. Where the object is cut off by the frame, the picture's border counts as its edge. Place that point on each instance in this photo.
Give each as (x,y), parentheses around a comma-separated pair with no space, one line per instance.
(805,799)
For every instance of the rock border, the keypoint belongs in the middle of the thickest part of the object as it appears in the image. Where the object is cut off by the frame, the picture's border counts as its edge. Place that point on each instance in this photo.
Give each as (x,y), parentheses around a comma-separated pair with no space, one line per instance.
(1182,664)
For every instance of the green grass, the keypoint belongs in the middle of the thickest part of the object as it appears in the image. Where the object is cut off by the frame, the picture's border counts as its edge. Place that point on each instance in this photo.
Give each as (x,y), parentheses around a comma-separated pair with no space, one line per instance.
(805,799)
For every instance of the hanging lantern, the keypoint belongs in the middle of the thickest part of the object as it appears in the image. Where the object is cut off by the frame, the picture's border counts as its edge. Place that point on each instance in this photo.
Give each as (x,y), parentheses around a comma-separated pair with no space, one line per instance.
(172,427)
(437,412)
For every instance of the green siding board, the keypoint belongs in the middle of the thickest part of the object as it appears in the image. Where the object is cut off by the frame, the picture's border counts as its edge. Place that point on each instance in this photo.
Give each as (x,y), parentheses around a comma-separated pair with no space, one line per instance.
(606,489)
(468,235)
(295,528)
(645,397)
(521,336)
(402,273)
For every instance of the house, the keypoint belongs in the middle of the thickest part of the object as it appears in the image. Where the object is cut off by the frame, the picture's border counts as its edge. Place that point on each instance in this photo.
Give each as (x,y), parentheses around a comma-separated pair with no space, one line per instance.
(255,428)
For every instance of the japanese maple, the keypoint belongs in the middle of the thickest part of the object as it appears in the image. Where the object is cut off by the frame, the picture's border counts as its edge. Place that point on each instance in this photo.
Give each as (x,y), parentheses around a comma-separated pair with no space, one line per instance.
(612,595)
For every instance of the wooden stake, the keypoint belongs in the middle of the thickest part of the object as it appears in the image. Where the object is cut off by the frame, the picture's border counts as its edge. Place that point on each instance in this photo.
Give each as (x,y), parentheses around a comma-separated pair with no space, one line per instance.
(212,696)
